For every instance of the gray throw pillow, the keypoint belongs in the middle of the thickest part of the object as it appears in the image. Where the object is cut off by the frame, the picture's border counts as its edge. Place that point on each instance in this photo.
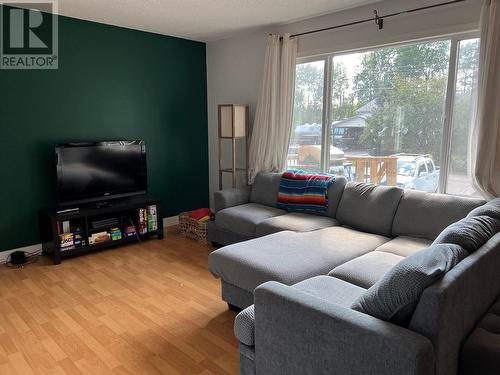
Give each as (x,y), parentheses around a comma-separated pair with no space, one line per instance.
(471,232)
(491,209)
(395,297)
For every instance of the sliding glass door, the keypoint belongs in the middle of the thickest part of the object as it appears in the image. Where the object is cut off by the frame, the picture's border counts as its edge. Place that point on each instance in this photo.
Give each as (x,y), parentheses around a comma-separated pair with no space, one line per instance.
(307,139)
(457,181)
(395,116)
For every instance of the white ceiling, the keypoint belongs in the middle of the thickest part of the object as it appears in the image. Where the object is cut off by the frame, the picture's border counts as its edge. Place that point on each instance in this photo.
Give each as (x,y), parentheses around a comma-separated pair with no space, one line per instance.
(203,20)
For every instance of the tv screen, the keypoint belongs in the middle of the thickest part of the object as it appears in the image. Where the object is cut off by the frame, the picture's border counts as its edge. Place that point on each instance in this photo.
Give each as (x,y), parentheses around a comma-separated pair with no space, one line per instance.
(89,172)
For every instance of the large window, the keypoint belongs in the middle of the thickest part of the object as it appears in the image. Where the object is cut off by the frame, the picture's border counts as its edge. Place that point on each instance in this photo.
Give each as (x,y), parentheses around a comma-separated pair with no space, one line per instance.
(466,80)
(307,136)
(396,115)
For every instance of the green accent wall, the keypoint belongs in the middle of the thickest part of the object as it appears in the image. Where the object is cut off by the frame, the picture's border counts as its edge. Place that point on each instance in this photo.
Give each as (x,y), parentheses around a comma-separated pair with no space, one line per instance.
(112,83)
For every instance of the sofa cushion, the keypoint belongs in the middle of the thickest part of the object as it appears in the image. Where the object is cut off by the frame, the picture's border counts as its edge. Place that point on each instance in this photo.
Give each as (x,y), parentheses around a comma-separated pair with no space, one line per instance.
(404,245)
(367,269)
(471,232)
(243,219)
(425,215)
(331,289)
(289,257)
(296,221)
(325,287)
(491,209)
(394,297)
(335,192)
(231,197)
(369,207)
(265,189)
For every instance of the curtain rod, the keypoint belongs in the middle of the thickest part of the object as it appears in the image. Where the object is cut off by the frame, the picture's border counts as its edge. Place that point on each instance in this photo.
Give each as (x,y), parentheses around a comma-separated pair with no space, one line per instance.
(379,20)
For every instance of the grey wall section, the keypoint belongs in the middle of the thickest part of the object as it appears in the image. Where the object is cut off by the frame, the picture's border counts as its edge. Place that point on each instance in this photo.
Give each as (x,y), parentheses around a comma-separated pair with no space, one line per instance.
(234,65)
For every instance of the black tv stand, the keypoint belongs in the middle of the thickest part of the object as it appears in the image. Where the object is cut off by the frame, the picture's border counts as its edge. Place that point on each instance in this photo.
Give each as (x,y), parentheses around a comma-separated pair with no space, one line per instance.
(98,205)
(87,236)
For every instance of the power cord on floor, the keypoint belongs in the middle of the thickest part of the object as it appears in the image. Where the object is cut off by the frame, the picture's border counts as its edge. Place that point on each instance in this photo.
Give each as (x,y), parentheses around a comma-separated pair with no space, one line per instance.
(22,258)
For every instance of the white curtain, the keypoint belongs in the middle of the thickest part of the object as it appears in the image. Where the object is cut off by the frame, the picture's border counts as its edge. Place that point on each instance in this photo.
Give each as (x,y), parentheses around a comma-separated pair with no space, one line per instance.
(273,118)
(485,142)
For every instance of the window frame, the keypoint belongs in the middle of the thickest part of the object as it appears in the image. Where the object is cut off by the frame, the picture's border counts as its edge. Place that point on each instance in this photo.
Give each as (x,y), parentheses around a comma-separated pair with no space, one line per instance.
(446,140)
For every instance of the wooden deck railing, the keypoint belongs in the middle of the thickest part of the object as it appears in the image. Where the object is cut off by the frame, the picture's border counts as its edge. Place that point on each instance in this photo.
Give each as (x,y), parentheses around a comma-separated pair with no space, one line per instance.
(374,168)
(366,168)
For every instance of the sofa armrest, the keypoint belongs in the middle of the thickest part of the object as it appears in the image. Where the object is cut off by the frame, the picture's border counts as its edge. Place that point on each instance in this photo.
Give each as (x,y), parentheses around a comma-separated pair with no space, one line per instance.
(231,197)
(297,333)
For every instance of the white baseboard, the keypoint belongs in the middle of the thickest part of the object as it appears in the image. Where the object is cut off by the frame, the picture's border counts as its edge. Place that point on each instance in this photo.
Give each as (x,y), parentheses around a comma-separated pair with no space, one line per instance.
(167,222)
(29,249)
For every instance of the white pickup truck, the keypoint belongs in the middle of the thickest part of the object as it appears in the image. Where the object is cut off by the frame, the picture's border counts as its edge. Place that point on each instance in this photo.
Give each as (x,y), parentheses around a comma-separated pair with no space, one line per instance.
(417,172)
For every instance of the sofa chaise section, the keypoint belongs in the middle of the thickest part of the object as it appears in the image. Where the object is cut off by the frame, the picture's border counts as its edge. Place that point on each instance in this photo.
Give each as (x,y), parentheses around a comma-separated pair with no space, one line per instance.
(288,257)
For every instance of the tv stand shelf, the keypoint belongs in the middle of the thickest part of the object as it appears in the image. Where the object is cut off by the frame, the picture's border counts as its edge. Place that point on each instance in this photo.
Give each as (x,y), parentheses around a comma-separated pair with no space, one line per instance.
(79,223)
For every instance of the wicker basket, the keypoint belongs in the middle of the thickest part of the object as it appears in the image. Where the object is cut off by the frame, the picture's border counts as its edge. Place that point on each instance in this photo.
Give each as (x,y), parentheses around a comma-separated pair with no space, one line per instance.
(193,228)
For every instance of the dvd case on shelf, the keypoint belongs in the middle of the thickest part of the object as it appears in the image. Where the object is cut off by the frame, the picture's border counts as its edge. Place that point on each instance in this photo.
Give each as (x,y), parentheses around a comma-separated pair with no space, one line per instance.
(152,218)
(143,221)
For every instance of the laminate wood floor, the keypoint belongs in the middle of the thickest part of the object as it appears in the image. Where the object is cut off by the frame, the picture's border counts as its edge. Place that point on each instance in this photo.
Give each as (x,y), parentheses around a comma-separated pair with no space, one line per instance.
(150,308)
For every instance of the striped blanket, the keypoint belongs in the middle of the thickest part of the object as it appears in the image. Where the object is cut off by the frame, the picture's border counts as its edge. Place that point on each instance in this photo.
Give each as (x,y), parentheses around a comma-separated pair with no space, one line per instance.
(304,192)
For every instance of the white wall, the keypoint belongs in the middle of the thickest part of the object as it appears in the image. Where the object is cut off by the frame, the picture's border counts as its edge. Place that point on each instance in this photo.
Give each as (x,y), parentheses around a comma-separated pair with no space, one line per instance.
(234,65)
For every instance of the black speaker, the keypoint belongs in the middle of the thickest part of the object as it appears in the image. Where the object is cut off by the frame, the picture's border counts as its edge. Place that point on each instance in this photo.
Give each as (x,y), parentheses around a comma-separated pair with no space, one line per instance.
(18,258)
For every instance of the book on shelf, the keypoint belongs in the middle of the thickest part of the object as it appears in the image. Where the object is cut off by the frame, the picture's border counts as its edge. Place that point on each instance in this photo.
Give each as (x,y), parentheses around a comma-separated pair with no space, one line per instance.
(100,237)
(78,239)
(152,218)
(66,240)
(66,227)
(116,234)
(130,231)
(143,221)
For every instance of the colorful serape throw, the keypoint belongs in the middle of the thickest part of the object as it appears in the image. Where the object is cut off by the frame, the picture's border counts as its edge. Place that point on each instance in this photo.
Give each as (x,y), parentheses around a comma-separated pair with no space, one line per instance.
(304,192)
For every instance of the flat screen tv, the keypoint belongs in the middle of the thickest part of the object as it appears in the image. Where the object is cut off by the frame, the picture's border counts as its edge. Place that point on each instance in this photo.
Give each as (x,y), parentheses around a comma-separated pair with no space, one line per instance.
(100,171)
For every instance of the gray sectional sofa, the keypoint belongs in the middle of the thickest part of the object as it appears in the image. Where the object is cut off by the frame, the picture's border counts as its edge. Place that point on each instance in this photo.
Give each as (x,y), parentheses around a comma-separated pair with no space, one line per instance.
(297,276)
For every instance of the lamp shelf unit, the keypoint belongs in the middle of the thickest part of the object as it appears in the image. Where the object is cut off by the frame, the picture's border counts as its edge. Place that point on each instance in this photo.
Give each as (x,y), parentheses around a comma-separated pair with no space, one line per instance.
(233,126)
